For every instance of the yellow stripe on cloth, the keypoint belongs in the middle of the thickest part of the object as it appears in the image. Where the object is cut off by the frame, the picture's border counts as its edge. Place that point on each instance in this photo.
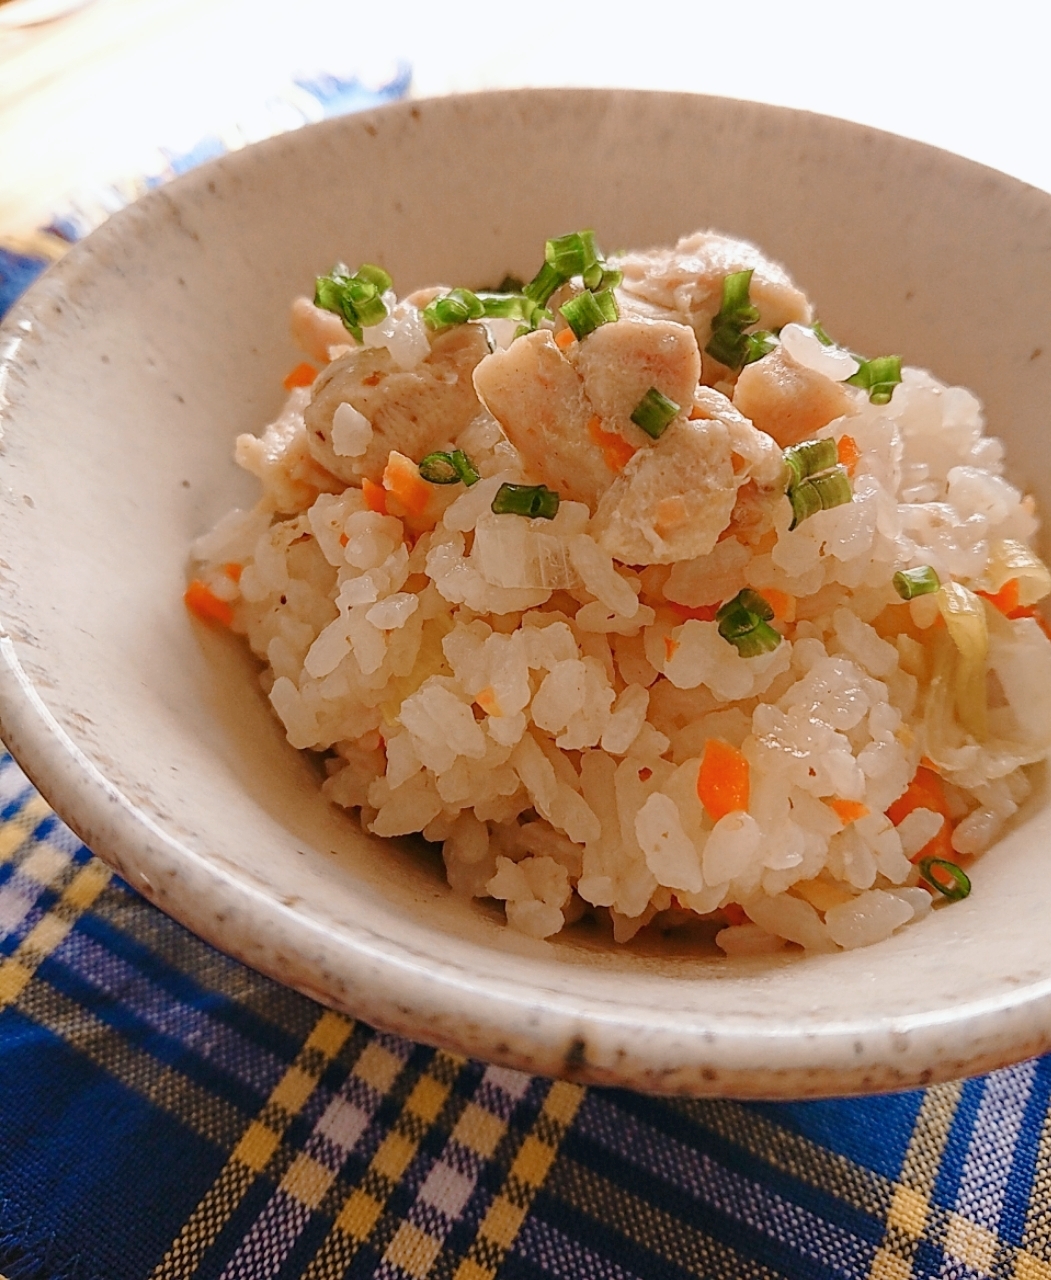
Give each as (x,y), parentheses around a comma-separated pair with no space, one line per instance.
(910,1210)
(504,1217)
(362,1211)
(17,969)
(16,829)
(254,1150)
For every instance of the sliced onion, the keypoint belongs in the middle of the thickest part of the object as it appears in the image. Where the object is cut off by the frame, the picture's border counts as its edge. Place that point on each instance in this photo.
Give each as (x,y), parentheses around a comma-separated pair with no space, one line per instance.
(964,615)
(1009,558)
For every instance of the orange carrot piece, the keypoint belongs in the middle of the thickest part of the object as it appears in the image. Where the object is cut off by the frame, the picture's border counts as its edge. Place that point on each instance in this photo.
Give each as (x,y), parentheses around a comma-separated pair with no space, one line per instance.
(1031,611)
(783,604)
(564,339)
(233,571)
(701,612)
(616,451)
(1006,599)
(401,477)
(722,779)
(488,701)
(847,451)
(200,600)
(375,496)
(926,791)
(734,913)
(301,376)
(373,379)
(670,647)
(848,811)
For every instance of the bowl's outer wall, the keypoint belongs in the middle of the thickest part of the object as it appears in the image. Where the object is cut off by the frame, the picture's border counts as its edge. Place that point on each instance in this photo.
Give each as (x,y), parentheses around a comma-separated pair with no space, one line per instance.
(133,365)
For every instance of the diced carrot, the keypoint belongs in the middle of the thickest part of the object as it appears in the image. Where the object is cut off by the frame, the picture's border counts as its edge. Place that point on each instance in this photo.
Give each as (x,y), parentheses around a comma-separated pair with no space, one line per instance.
(722,779)
(564,339)
(734,913)
(670,647)
(645,773)
(202,601)
(697,412)
(373,379)
(926,791)
(616,451)
(1006,599)
(301,376)
(343,539)
(487,700)
(848,811)
(401,477)
(233,571)
(701,612)
(783,604)
(1031,611)
(375,496)
(847,452)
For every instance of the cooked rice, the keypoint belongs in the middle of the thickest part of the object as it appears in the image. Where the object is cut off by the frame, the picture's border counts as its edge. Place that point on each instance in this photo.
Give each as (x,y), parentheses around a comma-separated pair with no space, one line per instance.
(508,688)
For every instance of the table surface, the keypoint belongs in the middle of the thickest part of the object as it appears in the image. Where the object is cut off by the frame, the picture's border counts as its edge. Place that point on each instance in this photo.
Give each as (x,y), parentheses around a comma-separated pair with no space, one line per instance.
(165,1112)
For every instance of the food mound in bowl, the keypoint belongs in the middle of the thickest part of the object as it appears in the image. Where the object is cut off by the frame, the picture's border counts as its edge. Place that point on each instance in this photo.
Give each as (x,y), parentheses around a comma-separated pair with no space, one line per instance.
(641,596)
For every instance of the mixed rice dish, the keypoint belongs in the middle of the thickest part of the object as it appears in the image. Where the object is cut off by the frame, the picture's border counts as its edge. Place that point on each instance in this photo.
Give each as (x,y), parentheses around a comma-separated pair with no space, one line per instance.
(642,597)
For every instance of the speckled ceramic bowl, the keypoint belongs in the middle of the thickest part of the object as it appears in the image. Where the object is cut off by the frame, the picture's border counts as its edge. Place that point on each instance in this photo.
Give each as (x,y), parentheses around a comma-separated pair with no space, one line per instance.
(131,366)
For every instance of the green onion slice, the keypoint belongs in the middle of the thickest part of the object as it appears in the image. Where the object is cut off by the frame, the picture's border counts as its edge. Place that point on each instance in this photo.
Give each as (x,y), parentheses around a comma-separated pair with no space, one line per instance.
(744,623)
(819,493)
(909,583)
(950,880)
(728,343)
(543,285)
(878,377)
(589,311)
(448,468)
(810,458)
(757,345)
(356,298)
(533,500)
(654,413)
(818,330)
(574,255)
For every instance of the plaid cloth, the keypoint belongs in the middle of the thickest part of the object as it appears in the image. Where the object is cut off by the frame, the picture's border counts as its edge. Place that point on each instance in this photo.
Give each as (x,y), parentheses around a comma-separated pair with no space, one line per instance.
(165,1112)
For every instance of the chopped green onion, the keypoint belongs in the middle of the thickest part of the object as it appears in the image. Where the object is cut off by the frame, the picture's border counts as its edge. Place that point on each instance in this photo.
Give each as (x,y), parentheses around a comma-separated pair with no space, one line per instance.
(355,298)
(810,458)
(909,583)
(744,623)
(574,255)
(950,880)
(819,493)
(654,413)
(728,343)
(878,377)
(589,311)
(757,345)
(375,275)
(818,330)
(448,468)
(531,500)
(543,285)
(455,307)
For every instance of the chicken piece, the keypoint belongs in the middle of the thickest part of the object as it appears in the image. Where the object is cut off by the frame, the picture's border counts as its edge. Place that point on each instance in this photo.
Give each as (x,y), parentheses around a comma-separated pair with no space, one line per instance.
(686,283)
(787,400)
(281,460)
(620,362)
(671,502)
(757,456)
(414,411)
(538,398)
(315,331)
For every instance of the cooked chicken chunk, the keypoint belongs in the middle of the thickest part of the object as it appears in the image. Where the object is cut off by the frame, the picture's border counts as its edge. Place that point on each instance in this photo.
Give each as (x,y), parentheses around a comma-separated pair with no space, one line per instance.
(569,415)
(315,331)
(787,400)
(685,283)
(413,411)
(671,502)
(757,456)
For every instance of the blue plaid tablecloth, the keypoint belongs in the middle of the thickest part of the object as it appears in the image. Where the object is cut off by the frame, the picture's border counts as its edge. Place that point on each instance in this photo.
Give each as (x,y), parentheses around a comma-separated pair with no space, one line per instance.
(166,1113)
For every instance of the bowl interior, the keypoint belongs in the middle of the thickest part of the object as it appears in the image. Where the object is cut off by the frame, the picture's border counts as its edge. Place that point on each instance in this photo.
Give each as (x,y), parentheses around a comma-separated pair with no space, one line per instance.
(131,368)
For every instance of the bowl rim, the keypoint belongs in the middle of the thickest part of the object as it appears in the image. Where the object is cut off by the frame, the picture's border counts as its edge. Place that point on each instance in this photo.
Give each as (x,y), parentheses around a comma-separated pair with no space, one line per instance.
(568,1039)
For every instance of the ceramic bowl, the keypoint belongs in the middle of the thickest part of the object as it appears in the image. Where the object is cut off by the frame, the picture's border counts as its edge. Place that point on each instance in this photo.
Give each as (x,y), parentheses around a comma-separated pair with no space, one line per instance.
(132,365)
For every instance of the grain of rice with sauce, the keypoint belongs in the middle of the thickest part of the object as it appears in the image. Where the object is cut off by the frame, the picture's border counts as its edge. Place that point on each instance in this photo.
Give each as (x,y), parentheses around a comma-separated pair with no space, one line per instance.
(637,638)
